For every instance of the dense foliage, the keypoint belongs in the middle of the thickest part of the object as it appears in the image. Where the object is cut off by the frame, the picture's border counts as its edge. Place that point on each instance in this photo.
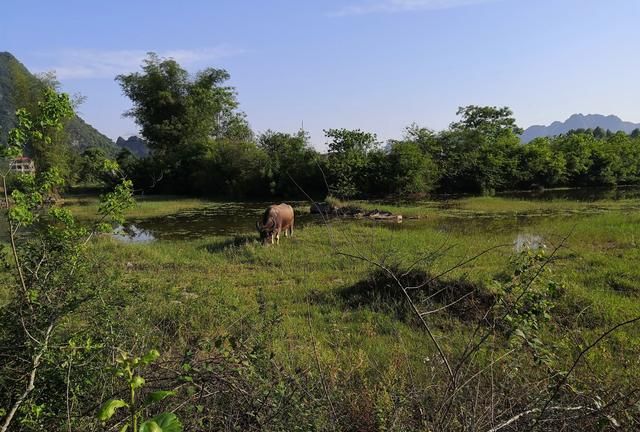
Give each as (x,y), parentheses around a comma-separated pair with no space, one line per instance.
(79,315)
(47,271)
(200,144)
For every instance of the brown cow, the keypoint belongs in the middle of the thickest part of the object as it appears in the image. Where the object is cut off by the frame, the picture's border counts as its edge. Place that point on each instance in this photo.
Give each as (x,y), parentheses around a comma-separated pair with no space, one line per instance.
(276,218)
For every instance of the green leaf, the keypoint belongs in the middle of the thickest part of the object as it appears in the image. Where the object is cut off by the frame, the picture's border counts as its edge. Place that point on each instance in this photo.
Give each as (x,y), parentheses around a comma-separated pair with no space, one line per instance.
(150,357)
(125,428)
(109,408)
(165,422)
(150,426)
(159,395)
(137,382)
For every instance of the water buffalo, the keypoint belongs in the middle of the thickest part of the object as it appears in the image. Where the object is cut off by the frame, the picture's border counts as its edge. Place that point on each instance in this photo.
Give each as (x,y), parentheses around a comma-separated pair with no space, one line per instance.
(277,218)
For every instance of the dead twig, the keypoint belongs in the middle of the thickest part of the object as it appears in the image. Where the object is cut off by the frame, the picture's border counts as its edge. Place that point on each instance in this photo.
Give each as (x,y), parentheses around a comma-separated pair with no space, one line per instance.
(564,379)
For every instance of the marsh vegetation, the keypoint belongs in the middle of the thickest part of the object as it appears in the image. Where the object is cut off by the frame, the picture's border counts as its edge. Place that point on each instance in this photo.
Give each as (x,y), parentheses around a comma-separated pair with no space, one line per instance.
(331,337)
(474,313)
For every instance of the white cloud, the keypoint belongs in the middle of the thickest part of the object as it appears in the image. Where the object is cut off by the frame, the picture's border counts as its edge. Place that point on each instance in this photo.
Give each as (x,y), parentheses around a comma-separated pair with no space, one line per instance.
(79,64)
(390,6)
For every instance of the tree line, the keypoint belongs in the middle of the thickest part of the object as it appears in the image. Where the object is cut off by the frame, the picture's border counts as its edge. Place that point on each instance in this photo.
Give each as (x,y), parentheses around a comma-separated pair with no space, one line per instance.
(201,144)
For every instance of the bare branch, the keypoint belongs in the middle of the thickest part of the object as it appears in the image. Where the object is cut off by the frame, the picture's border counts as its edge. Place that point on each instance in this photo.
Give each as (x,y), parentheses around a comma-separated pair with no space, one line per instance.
(517,417)
(31,383)
(457,266)
(447,306)
(413,306)
(564,379)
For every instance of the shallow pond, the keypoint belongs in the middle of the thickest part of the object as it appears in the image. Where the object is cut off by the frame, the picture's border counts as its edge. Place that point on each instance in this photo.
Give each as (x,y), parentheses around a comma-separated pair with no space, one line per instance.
(234,219)
(228,219)
(238,219)
(587,194)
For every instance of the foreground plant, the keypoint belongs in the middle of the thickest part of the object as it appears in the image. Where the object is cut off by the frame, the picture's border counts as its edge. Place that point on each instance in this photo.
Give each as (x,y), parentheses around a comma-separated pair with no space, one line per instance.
(128,368)
(48,266)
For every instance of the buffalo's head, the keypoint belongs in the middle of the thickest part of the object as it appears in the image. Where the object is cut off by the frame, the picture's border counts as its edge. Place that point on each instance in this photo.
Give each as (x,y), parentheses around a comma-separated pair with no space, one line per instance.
(266,231)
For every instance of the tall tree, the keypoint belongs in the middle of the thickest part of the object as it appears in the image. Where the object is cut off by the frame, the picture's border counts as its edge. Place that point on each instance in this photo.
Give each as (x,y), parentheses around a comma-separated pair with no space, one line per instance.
(488,121)
(179,114)
(479,151)
(411,171)
(540,165)
(348,160)
(290,159)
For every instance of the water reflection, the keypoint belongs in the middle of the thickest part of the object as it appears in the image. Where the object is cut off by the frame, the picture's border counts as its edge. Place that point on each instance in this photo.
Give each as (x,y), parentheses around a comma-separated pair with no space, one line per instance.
(131,233)
(587,194)
(227,219)
(528,242)
(238,219)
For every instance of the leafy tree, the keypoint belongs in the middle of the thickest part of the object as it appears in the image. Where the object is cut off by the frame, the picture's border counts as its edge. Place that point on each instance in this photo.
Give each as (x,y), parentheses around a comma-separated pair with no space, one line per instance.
(290,159)
(50,269)
(605,165)
(91,165)
(232,169)
(233,126)
(127,160)
(426,139)
(23,90)
(348,160)
(411,171)
(539,164)
(577,149)
(178,114)
(626,152)
(599,133)
(486,121)
(39,131)
(479,152)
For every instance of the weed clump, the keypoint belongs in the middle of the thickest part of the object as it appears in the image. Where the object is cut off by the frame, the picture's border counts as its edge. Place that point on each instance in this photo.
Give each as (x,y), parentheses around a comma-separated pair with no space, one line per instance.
(381,291)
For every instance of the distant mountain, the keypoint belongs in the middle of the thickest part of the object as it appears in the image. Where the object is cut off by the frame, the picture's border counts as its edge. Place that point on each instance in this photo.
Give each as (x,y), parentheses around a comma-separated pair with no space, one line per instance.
(134,144)
(18,84)
(579,121)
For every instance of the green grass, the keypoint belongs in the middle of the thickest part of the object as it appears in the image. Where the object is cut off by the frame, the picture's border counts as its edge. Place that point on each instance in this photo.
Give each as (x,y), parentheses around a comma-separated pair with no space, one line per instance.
(494,207)
(199,289)
(85,206)
(213,281)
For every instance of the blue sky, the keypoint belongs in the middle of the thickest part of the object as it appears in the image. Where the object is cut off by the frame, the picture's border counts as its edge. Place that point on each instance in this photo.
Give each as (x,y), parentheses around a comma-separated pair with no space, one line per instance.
(378,65)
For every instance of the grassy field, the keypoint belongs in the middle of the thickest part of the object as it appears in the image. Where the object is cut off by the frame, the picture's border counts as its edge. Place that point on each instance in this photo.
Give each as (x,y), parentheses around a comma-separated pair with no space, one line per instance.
(337,318)
(86,206)
(597,264)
